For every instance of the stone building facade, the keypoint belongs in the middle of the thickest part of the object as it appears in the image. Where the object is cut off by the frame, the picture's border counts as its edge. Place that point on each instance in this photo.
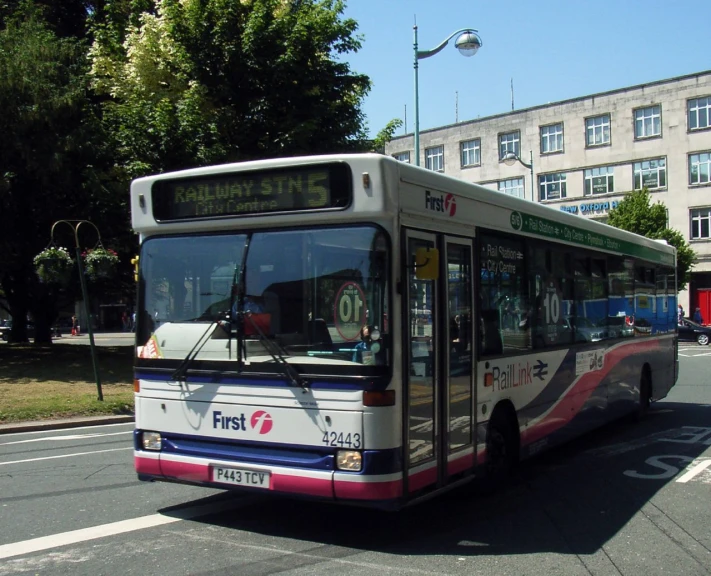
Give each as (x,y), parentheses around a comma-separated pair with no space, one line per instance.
(587,152)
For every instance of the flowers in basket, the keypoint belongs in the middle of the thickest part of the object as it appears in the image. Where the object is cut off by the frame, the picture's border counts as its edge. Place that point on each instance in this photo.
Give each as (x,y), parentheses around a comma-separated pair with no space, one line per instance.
(100,262)
(54,265)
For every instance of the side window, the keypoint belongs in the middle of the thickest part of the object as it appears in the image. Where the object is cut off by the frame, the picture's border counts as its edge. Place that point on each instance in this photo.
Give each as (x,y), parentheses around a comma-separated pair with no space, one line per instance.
(662,301)
(590,320)
(504,320)
(620,302)
(551,289)
(671,298)
(644,299)
(598,304)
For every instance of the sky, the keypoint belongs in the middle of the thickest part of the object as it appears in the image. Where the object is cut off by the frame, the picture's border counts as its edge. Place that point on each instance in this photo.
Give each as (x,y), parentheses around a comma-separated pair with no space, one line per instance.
(552,49)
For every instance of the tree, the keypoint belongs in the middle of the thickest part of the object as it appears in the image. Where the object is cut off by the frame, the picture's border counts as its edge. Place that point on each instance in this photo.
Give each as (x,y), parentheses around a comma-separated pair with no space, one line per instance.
(51,151)
(636,213)
(197,82)
(386,135)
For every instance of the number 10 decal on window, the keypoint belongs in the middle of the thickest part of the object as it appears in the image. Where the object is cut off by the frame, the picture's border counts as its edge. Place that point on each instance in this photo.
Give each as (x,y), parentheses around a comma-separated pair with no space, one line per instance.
(350,311)
(551,317)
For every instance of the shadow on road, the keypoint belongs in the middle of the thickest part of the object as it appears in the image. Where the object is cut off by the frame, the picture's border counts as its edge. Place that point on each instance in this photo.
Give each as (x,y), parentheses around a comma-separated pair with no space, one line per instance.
(571,500)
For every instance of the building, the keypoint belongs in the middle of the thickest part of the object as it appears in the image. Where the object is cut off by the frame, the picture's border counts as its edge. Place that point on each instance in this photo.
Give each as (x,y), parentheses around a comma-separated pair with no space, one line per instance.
(585,153)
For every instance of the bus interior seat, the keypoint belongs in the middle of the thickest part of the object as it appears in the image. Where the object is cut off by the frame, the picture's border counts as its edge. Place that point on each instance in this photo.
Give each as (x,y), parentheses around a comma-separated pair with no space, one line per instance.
(318,332)
(273,308)
(491,341)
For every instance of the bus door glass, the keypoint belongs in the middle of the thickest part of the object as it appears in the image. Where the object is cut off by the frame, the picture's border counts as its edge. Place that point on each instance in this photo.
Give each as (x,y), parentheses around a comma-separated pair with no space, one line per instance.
(458,355)
(420,370)
(439,363)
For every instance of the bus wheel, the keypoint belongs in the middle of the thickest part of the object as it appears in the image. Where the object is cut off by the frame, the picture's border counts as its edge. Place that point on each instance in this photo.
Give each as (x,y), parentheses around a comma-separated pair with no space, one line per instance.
(645,395)
(501,448)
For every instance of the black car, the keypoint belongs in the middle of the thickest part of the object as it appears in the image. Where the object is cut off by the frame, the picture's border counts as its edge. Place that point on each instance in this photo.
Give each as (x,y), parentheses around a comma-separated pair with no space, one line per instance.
(692,332)
(5,332)
(5,326)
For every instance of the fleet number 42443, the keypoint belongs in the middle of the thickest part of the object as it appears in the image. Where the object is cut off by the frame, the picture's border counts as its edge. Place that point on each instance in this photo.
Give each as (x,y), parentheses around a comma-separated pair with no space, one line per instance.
(341,440)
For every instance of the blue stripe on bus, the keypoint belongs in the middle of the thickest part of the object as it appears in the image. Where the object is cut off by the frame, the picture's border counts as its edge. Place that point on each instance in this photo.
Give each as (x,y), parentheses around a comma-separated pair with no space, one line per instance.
(247,381)
(387,461)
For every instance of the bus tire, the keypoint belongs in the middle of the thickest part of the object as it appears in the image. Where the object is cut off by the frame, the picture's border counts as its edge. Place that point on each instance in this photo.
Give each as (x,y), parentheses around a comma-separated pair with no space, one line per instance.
(645,395)
(502,448)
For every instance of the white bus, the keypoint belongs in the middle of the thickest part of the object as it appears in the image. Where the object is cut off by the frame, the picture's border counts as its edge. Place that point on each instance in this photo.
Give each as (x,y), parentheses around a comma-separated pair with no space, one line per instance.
(355,329)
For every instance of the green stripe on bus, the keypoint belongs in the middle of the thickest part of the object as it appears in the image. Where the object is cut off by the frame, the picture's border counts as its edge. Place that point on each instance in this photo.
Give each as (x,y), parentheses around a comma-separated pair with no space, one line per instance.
(563,232)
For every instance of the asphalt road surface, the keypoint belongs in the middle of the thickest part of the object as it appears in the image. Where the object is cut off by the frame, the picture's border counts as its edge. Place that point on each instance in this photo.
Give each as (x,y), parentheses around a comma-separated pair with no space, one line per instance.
(632,499)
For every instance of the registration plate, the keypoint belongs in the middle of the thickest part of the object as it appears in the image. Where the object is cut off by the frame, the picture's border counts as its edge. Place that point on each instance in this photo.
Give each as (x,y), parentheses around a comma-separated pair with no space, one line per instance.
(241,477)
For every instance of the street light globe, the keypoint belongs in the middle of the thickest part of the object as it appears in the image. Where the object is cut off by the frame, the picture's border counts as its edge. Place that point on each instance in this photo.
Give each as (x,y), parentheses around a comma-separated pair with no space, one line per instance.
(510,159)
(468,43)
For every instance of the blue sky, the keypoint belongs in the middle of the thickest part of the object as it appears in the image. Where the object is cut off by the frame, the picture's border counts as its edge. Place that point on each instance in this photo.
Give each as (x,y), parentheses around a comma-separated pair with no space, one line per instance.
(553,50)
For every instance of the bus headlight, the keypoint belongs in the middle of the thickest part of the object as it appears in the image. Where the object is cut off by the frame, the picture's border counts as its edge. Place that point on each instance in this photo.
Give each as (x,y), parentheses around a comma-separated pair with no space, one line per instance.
(350,460)
(151,441)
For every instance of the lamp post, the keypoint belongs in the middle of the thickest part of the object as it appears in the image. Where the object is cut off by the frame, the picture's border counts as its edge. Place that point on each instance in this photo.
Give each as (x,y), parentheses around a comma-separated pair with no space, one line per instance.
(510,159)
(74,225)
(468,43)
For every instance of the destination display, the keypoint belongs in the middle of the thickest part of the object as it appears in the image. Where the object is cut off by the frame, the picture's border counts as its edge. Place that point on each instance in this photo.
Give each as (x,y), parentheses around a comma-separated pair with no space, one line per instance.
(240,193)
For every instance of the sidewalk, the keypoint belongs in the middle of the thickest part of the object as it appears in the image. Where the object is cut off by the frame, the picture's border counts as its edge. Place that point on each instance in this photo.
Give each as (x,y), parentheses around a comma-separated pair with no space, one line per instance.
(98,335)
(62,424)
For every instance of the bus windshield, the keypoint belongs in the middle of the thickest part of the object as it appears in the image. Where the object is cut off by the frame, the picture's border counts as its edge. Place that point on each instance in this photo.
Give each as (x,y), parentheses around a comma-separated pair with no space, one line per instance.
(320,296)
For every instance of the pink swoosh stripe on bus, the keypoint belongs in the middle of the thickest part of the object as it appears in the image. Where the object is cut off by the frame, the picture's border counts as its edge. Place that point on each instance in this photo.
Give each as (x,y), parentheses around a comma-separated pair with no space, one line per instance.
(286,483)
(569,406)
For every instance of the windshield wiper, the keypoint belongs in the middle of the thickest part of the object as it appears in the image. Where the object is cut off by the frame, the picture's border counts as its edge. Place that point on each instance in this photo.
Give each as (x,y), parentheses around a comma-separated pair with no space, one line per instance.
(276,353)
(182,369)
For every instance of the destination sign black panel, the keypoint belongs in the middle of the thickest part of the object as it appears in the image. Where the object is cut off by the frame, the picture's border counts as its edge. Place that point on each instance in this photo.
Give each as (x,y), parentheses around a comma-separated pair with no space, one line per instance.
(299,188)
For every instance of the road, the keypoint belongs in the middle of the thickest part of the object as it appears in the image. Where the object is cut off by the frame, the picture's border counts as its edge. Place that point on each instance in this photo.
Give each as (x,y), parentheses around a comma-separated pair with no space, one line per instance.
(634,499)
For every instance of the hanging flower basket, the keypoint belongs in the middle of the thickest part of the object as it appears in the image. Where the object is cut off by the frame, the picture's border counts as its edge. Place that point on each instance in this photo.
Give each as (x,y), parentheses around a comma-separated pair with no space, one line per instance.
(54,265)
(100,263)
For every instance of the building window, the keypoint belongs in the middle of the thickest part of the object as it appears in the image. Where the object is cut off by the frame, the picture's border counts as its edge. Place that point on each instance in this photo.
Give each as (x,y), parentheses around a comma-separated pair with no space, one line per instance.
(552,138)
(434,158)
(650,174)
(699,113)
(699,168)
(512,187)
(700,223)
(403,157)
(648,122)
(471,152)
(552,186)
(509,142)
(599,181)
(597,130)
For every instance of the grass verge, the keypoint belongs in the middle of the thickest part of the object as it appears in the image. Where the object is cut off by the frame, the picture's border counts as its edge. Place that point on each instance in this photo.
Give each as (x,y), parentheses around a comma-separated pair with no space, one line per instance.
(57,381)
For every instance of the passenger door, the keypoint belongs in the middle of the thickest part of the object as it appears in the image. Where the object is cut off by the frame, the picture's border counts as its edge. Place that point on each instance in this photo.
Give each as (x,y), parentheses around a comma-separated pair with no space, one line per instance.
(438,363)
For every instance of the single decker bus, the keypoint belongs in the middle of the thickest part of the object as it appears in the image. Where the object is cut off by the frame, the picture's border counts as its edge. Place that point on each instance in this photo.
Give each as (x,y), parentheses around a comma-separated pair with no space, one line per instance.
(355,329)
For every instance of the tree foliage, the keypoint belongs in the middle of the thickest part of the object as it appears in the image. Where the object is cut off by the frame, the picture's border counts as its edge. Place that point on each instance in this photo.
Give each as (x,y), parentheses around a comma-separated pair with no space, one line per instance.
(194,82)
(636,213)
(386,135)
(51,152)
(96,92)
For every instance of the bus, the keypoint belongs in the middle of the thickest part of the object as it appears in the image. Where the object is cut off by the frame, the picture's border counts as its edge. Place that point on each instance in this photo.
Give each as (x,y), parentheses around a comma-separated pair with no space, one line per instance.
(358,330)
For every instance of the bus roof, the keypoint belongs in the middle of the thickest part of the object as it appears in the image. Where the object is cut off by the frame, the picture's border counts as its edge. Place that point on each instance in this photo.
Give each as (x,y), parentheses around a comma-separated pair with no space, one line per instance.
(522,216)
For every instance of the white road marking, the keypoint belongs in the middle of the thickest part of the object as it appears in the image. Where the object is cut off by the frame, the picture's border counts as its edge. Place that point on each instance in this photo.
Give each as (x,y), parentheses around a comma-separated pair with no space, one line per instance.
(83,535)
(64,456)
(696,470)
(68,437)
(114,528)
